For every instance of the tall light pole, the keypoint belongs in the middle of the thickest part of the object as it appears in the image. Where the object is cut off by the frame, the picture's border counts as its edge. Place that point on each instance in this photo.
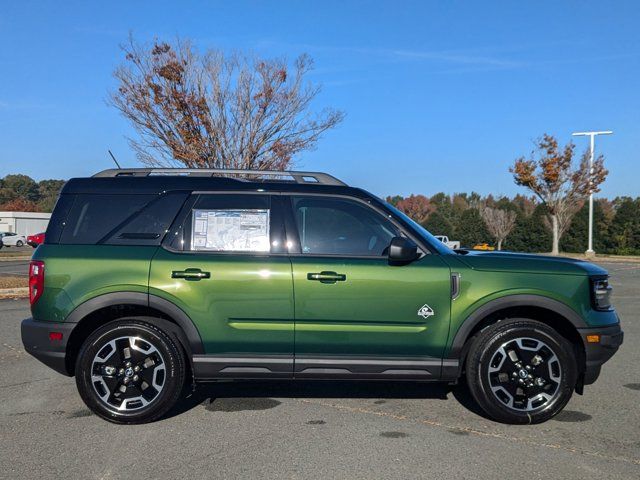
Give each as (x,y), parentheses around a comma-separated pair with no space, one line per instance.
(592,136)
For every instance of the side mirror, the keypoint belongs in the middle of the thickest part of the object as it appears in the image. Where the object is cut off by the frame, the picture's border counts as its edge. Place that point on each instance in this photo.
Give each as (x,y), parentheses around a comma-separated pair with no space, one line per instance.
(402,250)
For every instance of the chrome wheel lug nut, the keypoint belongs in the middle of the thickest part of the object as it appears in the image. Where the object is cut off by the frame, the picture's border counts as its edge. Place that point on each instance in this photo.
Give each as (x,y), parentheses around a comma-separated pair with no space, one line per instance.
(136,378)
(537,360)
(136,368)
(126,380)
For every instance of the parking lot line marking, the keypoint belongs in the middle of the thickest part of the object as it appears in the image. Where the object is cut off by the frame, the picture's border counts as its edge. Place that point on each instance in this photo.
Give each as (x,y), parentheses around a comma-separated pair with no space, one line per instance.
(472,431)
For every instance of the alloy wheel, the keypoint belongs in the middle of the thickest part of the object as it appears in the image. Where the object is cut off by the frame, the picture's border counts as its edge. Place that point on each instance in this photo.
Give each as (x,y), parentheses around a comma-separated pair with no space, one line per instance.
(128,373)
(525,374)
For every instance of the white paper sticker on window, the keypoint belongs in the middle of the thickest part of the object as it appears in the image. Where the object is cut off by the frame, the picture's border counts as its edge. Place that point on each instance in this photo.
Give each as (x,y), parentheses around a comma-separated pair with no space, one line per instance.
(230,230)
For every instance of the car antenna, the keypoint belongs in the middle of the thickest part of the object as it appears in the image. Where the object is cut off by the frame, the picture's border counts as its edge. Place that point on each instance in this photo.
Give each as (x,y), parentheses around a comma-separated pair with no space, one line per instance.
(114,159)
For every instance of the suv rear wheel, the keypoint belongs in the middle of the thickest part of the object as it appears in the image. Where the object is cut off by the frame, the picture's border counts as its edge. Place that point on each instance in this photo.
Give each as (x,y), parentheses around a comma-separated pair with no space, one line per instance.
(130,371)
(521,371)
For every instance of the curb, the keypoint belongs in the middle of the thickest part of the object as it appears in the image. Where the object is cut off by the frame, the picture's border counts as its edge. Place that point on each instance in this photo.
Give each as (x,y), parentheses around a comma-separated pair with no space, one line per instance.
(14,259)
(21,292)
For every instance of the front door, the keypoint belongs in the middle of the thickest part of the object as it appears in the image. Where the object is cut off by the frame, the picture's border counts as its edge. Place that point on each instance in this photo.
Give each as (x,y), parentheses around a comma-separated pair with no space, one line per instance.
(226,269)
(357,315)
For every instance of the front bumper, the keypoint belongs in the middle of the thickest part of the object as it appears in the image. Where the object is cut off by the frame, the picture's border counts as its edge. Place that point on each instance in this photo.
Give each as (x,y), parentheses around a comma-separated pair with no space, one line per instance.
(596,354)
(53,353)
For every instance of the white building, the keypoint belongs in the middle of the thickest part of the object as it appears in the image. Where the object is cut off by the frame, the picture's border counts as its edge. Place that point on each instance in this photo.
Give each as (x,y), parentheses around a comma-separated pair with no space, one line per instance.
(24,223)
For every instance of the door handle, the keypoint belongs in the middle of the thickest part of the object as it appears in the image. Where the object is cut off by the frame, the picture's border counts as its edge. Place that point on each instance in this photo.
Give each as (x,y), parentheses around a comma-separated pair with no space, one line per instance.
(190,274)
(327,277)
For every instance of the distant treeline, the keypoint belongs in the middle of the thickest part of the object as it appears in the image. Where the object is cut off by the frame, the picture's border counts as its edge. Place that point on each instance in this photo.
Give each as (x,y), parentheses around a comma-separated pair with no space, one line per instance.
(616,222)
(21,193)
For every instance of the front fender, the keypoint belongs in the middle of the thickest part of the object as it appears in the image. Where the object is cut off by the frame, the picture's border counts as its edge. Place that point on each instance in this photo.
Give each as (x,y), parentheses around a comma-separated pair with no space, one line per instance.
(509,301)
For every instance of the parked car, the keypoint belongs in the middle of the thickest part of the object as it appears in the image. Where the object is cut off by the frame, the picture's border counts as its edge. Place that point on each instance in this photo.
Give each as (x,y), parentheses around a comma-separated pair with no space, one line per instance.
(10,239)
(484,246)
(452,244)
(152,278)
(36,239)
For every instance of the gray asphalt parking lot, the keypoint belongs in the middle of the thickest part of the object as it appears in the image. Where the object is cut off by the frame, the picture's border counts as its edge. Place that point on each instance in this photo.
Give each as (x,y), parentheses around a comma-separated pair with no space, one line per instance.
(14,267)
(19,266)
(323,429)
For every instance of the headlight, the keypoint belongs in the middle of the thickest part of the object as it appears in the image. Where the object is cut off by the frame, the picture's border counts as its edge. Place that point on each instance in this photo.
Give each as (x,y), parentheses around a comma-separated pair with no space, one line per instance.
(601,293)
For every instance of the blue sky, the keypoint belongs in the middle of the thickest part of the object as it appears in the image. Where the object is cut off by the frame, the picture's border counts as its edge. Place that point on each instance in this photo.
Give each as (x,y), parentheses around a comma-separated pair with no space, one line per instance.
(439,96)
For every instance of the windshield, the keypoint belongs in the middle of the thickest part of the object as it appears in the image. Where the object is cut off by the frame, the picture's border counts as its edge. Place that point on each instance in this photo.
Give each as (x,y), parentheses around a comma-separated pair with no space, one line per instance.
(423,232)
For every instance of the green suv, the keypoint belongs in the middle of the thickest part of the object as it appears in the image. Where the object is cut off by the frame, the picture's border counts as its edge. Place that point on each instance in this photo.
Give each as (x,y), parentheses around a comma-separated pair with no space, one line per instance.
(152,280)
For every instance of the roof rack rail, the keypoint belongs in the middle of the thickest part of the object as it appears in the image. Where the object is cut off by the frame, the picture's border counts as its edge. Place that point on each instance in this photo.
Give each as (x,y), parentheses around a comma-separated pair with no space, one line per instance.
(318,178)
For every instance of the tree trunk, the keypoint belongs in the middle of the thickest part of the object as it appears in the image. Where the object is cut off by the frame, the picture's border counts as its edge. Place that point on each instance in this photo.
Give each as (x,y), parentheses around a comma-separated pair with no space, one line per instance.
(499,244)
(555,250)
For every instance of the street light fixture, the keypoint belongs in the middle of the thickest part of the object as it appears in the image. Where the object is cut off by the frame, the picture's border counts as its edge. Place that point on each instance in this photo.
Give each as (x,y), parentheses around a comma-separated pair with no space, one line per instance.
(592,136)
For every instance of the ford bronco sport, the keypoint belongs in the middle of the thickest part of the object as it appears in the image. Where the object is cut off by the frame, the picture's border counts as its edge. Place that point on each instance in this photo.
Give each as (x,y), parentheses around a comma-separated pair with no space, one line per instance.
(151,280)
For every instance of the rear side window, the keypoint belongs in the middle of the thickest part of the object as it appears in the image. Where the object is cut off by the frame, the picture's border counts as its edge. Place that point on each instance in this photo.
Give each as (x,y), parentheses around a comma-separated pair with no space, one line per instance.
(230,229)
(149,225)
(223,223)
(93,216)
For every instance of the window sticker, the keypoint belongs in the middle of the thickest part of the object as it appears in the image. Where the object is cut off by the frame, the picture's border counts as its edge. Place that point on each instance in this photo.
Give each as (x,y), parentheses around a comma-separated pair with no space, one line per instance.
(230,230)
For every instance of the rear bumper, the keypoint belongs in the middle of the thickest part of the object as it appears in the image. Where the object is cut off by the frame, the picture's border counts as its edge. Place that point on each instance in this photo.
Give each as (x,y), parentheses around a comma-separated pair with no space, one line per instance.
(598,353)
(36,341)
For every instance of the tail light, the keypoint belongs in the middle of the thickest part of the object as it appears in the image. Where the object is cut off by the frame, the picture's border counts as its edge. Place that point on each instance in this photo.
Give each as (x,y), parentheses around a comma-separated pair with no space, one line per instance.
(36,280)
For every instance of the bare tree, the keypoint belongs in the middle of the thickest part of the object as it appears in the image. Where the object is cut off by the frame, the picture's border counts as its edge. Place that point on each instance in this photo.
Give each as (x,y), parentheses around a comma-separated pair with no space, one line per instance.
(216,110)
(549,173)
(499,223)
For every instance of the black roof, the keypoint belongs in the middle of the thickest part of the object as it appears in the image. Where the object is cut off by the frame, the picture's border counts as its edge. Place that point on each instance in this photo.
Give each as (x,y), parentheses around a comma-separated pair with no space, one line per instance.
(156,184)
(141,182)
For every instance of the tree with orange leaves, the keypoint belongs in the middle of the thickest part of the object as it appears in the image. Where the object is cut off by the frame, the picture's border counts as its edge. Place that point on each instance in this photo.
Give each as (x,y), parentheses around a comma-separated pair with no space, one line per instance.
(19,205)
(417,207)
(550,174)
(215,110)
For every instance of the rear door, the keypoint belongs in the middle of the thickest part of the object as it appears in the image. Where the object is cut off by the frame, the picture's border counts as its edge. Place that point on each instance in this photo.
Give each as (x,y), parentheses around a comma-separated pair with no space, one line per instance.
(225,266)
(357,315)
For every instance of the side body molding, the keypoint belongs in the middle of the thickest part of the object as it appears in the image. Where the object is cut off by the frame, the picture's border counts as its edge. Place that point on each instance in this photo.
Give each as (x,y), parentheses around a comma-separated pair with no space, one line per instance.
(144,300)
(510,301)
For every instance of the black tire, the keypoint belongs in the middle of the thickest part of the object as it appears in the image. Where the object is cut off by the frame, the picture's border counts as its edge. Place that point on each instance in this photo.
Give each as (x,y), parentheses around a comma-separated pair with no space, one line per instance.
(153,374)
(19,243)
(497,382)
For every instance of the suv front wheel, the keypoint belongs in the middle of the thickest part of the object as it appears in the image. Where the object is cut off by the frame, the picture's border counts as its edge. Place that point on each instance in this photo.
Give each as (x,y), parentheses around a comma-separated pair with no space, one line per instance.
(521,371)
(130,371)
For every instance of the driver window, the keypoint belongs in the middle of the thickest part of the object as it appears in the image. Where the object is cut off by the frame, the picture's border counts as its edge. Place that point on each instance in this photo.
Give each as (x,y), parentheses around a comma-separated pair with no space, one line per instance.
(335,226)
